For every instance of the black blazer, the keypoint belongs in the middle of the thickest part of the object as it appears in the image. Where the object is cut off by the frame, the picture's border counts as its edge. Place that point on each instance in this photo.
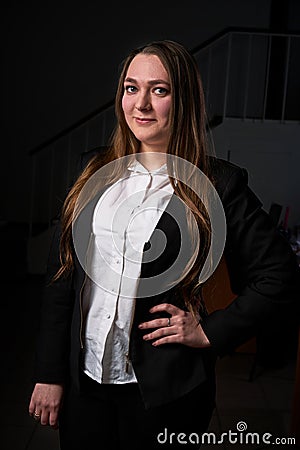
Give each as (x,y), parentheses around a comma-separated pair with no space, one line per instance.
(263,273)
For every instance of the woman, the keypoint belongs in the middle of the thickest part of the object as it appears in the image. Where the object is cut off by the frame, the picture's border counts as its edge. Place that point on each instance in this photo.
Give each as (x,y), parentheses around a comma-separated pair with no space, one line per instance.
(126,350)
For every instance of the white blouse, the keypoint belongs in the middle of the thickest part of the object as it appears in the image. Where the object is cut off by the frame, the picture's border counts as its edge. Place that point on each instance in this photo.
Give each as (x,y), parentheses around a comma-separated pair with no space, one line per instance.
(123,221)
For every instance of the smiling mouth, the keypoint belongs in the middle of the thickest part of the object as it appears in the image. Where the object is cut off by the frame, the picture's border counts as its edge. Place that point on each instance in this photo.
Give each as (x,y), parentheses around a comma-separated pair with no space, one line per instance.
(143,120)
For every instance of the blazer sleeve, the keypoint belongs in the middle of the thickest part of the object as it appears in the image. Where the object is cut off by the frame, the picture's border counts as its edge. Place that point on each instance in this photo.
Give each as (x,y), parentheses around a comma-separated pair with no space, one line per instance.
(263,270)
(51,364)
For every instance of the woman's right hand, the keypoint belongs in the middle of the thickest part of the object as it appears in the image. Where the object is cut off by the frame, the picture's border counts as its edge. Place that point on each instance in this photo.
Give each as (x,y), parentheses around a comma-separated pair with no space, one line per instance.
(45,403)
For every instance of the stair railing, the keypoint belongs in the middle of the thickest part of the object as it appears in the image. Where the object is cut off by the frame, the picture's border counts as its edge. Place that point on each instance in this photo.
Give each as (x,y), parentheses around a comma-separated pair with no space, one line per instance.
(239,81)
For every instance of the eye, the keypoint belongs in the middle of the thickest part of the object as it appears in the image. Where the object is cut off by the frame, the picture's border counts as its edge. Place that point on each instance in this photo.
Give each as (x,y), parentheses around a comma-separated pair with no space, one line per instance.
(160,91)
(130,89)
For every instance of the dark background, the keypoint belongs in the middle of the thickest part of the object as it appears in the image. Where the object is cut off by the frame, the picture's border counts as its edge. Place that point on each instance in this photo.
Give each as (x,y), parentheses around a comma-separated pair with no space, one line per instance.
(60,62)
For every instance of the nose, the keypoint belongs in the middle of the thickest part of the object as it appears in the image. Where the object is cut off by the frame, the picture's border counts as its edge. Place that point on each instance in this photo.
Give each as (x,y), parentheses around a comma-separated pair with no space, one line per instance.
(143,103)
(143,108)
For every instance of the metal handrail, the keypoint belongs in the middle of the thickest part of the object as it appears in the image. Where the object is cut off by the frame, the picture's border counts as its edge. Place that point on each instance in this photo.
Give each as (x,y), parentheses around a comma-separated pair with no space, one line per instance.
(207,44)
(219,53)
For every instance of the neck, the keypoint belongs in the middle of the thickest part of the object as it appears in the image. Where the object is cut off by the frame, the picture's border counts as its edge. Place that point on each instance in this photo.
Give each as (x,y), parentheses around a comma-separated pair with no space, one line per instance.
(152,160)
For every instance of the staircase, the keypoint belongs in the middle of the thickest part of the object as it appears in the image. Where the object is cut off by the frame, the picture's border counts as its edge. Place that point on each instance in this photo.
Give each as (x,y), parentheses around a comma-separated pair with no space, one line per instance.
(253,124)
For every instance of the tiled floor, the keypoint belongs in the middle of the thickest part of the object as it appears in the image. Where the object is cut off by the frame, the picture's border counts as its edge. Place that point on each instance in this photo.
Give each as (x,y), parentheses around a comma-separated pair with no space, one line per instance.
(263,405)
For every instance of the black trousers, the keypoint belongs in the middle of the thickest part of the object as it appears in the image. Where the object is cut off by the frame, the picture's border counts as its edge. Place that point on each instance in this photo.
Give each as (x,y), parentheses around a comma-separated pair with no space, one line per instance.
(113,417)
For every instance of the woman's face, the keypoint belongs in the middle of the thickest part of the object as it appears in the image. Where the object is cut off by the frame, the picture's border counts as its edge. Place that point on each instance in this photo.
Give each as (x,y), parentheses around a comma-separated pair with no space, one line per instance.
(147,102)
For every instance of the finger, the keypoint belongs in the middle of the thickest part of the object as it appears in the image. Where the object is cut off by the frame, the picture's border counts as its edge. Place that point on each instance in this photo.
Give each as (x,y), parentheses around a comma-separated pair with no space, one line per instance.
(53,420)
(160,332)
(37,415)
(167,307)
(156,323)
(45,417)
(32,407)
(171,339)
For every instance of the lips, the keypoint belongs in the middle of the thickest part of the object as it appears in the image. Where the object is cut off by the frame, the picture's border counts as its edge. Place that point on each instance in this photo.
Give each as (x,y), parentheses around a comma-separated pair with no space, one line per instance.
(142,120)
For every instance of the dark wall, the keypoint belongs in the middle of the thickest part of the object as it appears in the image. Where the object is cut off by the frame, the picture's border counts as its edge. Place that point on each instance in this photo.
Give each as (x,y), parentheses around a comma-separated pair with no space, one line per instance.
(61,62)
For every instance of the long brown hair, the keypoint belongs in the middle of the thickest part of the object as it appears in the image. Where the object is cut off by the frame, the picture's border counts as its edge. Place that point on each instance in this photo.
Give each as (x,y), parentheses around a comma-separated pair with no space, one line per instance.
(188,140)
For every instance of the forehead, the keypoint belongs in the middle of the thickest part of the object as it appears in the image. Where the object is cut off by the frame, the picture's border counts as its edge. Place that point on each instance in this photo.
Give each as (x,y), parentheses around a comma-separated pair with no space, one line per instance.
(147,67)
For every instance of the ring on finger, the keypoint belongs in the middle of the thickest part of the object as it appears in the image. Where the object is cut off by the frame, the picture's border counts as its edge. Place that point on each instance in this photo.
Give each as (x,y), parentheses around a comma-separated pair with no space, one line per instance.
(36,416)
(169,321)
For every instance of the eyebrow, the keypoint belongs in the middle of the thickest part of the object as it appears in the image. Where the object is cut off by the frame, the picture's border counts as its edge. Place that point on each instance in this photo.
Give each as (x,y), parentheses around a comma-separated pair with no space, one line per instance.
(150,82)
